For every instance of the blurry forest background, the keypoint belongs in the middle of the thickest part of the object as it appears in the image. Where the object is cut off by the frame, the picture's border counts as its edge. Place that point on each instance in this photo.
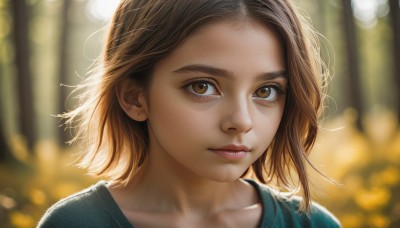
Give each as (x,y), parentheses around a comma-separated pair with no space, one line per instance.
(46,43)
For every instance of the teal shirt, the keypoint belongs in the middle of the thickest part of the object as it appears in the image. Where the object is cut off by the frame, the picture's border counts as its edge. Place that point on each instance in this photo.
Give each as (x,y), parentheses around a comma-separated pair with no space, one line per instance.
(95,207)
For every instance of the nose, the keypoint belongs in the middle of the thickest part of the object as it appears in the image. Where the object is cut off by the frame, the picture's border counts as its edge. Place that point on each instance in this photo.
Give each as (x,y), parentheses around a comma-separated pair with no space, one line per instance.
(237,117)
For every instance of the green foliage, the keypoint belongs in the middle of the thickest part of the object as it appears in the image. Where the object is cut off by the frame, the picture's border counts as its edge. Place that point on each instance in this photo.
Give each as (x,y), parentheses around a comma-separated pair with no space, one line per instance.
(26,193)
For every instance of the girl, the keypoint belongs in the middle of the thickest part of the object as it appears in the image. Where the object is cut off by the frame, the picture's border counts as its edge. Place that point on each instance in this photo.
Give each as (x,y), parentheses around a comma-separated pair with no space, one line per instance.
(194,96)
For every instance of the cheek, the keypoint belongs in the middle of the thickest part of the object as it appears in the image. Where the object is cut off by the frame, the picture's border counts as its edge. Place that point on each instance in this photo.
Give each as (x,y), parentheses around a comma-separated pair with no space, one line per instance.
(266,125)
(176,121)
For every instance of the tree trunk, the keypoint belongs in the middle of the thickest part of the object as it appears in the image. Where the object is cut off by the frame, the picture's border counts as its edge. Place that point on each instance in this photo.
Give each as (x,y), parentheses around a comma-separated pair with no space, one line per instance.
(63,69)
(354,90)
(5,152)
(395,17)
(24,83)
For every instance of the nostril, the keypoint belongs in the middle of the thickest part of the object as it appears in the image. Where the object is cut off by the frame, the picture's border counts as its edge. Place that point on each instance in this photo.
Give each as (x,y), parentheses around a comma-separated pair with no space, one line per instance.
(232,129)
(237,119)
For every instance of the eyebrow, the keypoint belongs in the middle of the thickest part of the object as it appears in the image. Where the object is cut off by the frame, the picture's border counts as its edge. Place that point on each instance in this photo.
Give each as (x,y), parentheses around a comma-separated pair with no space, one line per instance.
(200,68)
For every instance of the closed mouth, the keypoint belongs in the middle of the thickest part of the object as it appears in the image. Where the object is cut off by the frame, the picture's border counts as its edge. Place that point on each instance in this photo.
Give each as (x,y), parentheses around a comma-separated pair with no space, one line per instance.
(231,152)
(232,148)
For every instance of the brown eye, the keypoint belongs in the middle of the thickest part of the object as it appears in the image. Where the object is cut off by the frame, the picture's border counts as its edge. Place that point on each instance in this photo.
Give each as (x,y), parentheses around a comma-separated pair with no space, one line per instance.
(267,93)
(263,92)
(200,87)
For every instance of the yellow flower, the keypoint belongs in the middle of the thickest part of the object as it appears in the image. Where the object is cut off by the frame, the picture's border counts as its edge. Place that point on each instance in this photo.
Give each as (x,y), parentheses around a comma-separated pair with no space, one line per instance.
(64,189)
(351,220)
(372,199)
(379,221)
(37,196)
(390,176)
(19,219)
(393,152)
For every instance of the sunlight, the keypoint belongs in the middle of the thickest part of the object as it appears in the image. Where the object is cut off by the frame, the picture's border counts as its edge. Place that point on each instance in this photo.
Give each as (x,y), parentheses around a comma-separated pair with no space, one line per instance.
(367,11)
(102,9)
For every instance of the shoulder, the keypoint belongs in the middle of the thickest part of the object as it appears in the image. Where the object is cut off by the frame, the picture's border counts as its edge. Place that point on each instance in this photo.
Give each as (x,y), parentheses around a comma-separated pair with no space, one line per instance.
(318,216)
(282,210)
(78,210)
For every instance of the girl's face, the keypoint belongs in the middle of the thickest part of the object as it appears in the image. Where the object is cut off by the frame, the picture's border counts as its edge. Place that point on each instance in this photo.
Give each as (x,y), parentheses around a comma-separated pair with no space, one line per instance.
(215,103)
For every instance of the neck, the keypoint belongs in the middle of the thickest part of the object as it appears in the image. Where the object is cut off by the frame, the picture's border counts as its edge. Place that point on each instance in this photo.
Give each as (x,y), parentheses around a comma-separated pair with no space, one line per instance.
(169,187)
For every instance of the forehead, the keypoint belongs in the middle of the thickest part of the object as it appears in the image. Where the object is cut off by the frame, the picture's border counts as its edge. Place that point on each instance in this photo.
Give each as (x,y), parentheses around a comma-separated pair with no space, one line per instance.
(243,47)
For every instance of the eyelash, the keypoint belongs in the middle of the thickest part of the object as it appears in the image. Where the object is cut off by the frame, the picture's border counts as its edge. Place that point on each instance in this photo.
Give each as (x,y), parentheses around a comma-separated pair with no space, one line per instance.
(277,88)
(188,88)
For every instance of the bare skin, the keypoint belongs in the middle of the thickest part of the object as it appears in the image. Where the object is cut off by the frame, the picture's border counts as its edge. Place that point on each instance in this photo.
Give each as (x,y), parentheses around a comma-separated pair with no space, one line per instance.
(191,113)
(239,207)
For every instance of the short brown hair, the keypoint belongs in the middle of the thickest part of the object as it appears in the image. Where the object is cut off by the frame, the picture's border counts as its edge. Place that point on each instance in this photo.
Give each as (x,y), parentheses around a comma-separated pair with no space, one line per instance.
(142,32)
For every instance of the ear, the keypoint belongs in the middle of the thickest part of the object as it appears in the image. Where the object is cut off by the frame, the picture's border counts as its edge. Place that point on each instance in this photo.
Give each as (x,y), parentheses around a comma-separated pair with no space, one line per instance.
(131,98)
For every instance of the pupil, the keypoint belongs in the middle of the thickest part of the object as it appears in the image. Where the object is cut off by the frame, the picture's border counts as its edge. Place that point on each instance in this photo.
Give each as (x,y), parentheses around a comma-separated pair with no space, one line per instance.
(200,88)
(264,92)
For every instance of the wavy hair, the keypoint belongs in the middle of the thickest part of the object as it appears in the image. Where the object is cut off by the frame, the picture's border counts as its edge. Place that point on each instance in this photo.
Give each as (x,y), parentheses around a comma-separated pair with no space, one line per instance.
(142,32)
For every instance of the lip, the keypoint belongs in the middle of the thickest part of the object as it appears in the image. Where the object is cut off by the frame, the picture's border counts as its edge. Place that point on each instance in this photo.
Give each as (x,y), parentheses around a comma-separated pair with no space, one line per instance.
(231,152)
(233,148)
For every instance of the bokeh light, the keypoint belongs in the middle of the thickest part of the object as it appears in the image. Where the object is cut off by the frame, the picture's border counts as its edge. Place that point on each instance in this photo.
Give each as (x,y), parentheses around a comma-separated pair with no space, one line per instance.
(102,9)
(368,11)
